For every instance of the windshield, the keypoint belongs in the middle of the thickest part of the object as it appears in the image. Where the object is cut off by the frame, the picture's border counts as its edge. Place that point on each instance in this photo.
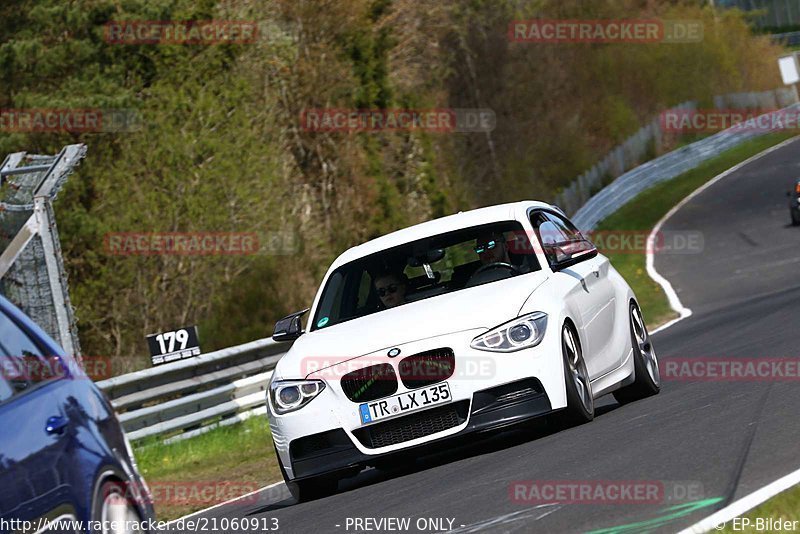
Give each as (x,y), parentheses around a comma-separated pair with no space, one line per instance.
(423,269)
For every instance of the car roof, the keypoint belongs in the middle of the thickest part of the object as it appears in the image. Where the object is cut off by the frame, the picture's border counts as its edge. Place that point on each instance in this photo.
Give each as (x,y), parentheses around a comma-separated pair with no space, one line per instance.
(449,223)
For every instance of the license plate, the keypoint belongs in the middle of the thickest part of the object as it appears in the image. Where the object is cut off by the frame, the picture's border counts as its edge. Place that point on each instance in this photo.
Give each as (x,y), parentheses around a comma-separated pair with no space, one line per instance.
(404,403)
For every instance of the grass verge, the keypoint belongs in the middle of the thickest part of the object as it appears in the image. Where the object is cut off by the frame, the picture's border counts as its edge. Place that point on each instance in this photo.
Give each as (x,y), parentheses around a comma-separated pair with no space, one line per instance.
(190,475)
(242,455)
(644,211)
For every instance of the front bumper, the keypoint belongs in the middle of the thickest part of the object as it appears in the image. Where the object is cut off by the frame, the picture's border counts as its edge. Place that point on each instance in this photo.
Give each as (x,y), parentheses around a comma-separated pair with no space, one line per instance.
(327,434)
(490,409)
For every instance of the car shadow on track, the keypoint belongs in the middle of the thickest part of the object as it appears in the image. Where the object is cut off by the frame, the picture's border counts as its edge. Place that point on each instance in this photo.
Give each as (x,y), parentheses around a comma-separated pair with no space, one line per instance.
(454,450)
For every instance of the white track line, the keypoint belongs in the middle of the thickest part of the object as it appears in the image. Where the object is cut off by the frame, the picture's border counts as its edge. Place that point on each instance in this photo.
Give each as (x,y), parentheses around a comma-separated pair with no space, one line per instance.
(672,296)
(744,504)
(748,502)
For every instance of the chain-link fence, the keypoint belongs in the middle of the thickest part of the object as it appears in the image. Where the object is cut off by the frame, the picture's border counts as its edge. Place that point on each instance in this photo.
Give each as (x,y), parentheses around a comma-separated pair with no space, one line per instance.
(32,272)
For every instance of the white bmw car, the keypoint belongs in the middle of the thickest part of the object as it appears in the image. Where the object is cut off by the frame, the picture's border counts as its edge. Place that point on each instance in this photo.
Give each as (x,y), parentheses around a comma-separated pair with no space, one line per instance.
(463,324)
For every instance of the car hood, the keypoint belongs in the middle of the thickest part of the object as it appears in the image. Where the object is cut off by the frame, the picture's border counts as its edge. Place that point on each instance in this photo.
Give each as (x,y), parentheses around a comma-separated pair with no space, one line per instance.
(480,307)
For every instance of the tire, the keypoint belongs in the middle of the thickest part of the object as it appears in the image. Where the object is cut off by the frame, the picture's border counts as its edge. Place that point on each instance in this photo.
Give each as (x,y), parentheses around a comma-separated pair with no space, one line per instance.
(112,506)
(580,403)
(795,217)
(308,489)
(647,379)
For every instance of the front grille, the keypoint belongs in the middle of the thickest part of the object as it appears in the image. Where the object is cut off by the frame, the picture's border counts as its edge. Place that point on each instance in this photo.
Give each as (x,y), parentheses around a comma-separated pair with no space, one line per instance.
(413,426)
(427,368)
(370,383)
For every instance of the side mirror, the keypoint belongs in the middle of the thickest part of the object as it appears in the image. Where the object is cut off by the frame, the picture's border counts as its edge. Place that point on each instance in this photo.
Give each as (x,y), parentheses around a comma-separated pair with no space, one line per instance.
(289,328)
(573,253)
(788,193)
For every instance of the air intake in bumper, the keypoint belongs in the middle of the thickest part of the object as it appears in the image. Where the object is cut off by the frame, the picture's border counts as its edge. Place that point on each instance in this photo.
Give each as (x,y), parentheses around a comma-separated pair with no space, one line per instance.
(413,426)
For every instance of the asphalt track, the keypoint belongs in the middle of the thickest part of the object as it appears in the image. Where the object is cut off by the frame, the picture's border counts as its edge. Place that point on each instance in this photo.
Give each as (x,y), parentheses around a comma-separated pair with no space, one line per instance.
(722,439)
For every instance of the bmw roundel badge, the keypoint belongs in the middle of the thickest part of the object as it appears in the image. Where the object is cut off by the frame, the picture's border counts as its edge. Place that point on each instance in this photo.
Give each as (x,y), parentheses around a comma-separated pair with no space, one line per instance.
(393,352)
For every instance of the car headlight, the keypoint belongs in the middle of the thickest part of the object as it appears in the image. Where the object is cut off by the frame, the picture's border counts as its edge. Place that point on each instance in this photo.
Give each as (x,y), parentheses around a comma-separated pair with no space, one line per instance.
(290,395)
(521,333)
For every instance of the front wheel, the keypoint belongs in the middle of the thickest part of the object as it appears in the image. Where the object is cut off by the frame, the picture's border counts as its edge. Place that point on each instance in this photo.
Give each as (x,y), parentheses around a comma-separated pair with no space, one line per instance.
(647,379)
(795,217)
(580,402)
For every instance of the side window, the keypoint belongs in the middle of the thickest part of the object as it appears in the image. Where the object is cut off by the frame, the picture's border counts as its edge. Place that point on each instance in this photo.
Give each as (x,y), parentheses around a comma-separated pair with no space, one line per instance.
(560,238)
(22,363)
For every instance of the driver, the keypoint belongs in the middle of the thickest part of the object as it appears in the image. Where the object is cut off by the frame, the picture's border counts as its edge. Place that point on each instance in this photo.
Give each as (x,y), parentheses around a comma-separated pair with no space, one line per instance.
(491,248)
(391,288)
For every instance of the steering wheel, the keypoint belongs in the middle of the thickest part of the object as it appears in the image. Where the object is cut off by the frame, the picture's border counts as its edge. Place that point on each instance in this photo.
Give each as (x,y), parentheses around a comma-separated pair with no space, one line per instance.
(497,265)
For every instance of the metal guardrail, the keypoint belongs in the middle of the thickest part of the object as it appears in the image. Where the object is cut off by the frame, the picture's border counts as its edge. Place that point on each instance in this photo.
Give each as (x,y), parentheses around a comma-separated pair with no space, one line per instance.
(649,140)
(670,165)
(624,157)
(787,39)
(189,397)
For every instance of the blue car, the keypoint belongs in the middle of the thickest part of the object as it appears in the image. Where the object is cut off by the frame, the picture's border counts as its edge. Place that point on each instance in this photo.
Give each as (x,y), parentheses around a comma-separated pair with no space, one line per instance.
(63,454)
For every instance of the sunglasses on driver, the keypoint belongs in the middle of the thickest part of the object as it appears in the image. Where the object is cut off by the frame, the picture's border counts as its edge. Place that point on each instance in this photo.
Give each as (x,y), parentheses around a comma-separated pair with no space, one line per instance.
(383,291)
(489,245)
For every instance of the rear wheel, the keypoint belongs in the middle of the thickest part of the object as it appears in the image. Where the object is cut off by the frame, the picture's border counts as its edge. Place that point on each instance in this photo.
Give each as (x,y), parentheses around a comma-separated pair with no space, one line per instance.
(310,488)
(647,379)
(795,217)
(580,403)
